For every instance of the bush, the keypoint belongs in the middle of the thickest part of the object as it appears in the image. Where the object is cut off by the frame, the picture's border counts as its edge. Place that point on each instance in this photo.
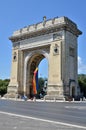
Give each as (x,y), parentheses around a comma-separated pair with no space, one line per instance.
(3,86)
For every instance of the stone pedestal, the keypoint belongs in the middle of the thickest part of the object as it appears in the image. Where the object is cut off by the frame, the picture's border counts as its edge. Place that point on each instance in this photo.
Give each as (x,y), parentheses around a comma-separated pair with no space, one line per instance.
(55,92)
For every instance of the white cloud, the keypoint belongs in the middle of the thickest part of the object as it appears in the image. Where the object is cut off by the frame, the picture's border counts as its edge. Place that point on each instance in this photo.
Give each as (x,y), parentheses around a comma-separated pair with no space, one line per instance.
(81,66)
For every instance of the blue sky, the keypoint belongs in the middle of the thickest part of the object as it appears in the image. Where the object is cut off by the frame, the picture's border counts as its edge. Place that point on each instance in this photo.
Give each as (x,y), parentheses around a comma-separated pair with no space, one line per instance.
(15,14)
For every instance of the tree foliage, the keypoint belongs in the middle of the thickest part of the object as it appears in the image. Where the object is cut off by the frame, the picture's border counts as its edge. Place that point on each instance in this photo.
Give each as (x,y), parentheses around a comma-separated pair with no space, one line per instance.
(41,82)
(3,86)
(82,83)
(81,80)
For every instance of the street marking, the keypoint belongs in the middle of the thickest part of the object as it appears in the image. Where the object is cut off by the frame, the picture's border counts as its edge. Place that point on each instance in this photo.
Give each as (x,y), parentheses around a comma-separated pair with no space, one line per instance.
(44,120)
(76,107)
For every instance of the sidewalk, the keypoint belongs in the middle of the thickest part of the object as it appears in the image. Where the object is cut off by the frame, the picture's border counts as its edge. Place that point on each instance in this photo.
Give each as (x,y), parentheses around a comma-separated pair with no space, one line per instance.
(40,100)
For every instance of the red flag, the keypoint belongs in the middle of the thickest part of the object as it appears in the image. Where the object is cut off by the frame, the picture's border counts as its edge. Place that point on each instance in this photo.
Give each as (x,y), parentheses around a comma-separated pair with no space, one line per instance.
(35,81)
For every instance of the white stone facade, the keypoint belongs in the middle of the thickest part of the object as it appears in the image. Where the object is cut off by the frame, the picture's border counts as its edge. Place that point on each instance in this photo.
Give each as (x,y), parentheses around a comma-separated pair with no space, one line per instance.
(54,39)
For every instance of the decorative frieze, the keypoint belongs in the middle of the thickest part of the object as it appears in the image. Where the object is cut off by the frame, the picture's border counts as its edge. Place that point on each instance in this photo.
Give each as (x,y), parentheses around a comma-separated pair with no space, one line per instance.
(47,26)
(38,41)
(57,36)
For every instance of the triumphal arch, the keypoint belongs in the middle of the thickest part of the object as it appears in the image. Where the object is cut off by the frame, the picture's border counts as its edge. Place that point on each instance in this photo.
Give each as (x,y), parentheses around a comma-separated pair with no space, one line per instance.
(55,40)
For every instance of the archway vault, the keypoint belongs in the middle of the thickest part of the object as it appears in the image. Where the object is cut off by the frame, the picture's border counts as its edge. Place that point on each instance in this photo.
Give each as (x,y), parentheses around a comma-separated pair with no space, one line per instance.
(32,60)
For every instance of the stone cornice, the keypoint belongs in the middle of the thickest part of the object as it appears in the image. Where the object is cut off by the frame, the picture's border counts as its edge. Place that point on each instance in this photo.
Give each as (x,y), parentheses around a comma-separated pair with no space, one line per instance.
(46,27)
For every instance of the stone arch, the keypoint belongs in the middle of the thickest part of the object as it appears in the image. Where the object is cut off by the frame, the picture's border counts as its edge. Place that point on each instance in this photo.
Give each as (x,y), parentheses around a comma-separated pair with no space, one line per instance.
(41,40)
(32,61)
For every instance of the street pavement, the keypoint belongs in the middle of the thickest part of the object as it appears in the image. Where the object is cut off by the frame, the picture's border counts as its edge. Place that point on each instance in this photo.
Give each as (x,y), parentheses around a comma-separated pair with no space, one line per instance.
(39,115)
(11,122)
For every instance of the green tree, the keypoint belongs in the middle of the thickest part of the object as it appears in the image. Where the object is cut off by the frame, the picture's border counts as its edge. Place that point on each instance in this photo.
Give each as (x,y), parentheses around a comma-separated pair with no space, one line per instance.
(3,86)
(41,85)
(82,83)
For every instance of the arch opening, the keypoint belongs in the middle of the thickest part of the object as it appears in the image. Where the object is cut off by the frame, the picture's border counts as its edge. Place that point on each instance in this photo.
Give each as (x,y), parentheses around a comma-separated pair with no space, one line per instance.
(34,62)
(73,91)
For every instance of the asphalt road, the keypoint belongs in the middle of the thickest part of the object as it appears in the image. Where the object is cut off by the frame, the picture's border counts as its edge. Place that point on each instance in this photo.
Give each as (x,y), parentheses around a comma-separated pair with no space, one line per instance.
(63,112)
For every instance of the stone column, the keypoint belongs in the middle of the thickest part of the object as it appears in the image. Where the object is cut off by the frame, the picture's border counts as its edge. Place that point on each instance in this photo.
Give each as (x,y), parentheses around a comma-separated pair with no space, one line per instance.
(55,85)
(13,85)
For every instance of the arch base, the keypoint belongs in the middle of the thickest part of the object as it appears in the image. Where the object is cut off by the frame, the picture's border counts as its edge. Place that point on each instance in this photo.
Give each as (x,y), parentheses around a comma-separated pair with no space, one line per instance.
(55,92)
